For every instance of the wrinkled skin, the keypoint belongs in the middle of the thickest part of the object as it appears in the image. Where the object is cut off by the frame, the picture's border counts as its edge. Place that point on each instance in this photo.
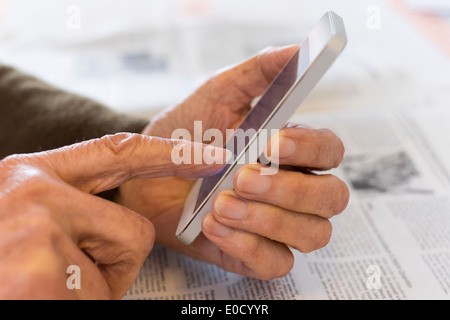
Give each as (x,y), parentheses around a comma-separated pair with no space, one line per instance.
(50,218)
(252,228)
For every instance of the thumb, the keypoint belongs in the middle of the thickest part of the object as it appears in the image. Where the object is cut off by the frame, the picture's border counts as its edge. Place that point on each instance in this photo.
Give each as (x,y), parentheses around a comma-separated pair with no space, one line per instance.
(102,164)
(252,77)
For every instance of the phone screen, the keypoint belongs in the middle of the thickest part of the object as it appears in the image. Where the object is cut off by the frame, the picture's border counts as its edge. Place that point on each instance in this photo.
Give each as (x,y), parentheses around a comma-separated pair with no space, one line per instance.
(255,119)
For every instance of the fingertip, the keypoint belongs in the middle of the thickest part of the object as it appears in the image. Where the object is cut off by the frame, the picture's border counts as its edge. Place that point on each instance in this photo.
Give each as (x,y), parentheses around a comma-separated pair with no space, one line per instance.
(290,48)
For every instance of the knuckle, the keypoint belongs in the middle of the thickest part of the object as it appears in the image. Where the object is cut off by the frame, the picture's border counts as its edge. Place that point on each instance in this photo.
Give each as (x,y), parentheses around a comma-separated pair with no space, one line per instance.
(148,236)
(252,252)
(14,163)
(264,219)
(286,267)
(300,133)
(300,197)
(44,272)
(318,238)
(121,143)
(279,267)
(253,247)
(133,237)
(39,188)
(11,160)
(265,275)
(31,185)
(278,271)
(42,227)
(140,236)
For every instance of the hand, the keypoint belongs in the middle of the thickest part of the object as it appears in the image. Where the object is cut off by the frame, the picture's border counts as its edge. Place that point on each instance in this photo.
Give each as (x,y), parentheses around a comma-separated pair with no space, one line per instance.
(50,218)
(250,229)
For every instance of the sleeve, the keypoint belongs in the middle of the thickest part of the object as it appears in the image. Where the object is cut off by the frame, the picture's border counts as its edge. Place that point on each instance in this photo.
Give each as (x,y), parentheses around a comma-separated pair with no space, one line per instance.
(35,116)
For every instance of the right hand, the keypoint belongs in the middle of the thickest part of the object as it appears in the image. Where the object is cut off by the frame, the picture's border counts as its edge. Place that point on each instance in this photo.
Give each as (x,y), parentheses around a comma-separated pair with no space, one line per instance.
(250,229)
(50,218)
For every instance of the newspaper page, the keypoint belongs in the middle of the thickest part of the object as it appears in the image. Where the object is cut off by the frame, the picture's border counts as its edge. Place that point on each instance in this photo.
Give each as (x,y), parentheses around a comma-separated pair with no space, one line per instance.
(392,241)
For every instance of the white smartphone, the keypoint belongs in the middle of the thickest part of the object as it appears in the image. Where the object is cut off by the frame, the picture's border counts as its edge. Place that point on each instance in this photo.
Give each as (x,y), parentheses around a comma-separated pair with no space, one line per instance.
(273,110)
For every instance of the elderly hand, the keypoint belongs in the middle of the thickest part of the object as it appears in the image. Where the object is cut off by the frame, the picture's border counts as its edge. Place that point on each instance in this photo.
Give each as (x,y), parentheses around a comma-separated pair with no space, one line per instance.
(50,218)
(250,229)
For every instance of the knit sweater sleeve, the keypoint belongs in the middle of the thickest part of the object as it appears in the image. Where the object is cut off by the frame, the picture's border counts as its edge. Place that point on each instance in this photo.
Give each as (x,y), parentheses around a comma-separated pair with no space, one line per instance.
(35,116)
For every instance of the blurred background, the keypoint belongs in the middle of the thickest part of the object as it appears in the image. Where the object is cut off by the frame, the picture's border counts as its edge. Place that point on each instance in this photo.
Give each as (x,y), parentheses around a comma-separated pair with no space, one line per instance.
(140,56)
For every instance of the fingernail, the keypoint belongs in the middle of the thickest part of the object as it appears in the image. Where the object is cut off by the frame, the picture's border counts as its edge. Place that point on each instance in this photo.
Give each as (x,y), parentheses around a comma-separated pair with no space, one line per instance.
(281,147)
(210,225)
(251,181)
(230,207)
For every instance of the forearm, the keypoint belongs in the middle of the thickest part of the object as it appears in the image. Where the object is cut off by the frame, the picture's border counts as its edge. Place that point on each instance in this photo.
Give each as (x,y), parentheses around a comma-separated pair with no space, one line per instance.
(35,116)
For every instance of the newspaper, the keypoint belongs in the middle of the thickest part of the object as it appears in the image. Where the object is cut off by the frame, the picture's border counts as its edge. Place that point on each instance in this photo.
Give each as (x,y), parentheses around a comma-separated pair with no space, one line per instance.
(392,241)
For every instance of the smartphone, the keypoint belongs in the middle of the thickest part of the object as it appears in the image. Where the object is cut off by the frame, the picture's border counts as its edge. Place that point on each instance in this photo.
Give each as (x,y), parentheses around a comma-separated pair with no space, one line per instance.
(274,108)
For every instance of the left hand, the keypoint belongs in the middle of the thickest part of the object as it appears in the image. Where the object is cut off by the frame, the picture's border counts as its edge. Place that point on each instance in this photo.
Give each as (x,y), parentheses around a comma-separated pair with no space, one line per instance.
(251,229)
(50,218)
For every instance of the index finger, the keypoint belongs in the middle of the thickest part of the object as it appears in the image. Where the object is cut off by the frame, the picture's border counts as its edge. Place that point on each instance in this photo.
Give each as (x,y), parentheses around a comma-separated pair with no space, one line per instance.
(102,164)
